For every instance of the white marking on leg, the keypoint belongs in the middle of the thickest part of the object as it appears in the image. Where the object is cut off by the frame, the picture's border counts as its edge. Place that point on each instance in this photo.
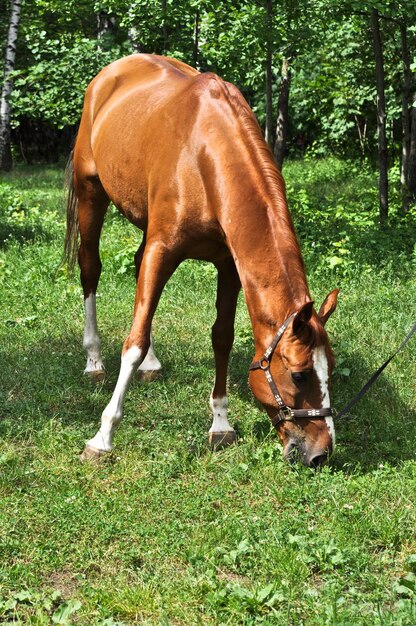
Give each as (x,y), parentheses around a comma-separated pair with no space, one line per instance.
(320,363)
(91,340)
(150,362)
(113,412)
(220,423)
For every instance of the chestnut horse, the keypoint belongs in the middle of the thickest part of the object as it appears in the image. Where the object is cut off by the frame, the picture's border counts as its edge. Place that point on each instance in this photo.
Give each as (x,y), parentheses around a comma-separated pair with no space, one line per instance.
(181,155)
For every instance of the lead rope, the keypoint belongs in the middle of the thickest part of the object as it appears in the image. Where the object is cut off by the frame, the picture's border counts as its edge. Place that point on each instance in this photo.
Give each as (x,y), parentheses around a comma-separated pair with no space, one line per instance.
(373,378)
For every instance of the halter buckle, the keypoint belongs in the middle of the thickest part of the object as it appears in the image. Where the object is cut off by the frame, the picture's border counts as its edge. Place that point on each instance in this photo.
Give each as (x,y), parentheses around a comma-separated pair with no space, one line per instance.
(284,415)
(287,413)
(264,363)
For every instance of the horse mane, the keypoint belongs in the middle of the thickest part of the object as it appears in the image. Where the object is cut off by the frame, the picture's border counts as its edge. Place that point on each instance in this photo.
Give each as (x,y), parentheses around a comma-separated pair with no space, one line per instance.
(259,146)
(274,187)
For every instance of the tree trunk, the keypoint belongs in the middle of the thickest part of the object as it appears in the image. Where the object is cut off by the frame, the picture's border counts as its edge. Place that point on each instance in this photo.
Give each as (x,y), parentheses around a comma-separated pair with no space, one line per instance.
(406,93)
(411,179)
(5,112)
(195,55)
(269,75)
(282,115)
(165,27)
(106,25)
(381,118)
(362,132)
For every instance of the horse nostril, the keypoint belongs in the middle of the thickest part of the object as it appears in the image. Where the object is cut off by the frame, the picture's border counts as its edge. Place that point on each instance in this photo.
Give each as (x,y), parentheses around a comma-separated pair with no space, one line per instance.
(318,460)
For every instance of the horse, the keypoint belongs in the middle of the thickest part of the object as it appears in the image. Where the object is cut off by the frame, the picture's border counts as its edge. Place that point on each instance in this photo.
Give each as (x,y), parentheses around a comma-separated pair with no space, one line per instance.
(181,155)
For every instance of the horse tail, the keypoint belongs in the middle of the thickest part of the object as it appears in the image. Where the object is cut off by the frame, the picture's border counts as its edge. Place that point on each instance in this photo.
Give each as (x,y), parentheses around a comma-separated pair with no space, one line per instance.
(72,228)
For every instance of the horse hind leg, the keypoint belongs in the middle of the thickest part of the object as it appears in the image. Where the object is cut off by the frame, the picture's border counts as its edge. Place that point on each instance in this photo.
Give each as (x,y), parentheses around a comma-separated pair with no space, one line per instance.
(92,205)
(150,368)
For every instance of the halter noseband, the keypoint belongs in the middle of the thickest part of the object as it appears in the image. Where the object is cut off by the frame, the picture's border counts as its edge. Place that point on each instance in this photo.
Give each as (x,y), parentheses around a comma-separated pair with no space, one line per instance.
(285,413)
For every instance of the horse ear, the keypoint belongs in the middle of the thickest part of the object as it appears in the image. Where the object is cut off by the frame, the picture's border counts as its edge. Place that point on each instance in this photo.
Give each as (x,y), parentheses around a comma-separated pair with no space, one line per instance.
(328,306)
(302,316)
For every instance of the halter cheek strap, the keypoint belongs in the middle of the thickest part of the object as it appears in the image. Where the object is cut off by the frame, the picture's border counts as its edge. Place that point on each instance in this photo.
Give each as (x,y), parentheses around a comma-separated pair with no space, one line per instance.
(285,413)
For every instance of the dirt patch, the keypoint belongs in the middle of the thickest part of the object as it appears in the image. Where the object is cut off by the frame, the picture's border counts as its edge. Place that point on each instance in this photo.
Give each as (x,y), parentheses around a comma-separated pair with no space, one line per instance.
(63,581)
(232,577)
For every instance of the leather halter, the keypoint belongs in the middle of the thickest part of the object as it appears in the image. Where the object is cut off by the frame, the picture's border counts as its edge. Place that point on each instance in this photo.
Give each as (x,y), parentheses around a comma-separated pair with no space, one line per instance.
(285,413)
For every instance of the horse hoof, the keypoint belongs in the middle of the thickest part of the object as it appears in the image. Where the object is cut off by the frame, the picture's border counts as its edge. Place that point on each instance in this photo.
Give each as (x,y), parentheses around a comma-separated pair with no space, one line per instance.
(96,376)
(91,454)
(148,376)
(222,440)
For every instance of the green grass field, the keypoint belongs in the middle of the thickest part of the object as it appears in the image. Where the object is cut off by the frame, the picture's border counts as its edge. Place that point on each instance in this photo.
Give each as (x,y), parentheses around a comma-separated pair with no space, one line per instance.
(164,531)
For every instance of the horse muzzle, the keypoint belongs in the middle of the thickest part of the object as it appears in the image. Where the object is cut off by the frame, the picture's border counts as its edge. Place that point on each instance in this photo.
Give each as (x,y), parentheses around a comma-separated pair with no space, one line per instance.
(297,450)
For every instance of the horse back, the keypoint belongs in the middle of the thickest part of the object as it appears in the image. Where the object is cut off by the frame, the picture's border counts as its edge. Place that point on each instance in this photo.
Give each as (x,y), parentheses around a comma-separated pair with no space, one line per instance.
(160,136)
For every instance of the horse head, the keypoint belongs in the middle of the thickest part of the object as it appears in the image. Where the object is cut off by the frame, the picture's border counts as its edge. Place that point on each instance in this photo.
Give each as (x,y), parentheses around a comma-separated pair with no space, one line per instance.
(294,388)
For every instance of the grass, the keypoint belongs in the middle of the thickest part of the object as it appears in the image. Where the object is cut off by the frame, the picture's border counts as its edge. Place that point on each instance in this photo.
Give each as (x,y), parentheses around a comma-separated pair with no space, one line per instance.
(165,531)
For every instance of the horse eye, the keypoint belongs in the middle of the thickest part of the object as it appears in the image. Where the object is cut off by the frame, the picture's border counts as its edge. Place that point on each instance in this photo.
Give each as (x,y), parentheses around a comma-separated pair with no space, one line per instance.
(300,377)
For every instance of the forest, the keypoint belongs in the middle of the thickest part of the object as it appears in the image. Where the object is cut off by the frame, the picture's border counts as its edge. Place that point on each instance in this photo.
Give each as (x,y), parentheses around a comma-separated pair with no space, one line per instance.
(323,76)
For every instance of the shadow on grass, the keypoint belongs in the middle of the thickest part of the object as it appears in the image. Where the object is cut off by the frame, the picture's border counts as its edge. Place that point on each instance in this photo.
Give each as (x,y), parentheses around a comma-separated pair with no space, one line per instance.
(48,384)
(379,429)
(22,233)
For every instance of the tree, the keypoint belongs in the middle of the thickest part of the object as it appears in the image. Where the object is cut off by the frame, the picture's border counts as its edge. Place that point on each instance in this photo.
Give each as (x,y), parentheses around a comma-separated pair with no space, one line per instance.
(411,177)
(269,72)
(282,125)
(318,90)
(6,162)
(381,118)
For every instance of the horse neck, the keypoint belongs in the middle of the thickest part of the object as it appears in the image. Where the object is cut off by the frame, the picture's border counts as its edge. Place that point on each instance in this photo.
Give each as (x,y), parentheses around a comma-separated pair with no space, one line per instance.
(268,260)
(252,210)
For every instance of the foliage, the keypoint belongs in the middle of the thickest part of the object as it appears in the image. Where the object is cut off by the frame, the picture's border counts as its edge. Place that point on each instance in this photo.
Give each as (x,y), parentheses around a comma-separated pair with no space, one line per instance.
(334,207)
(52,87)
(48,608)
(406,585)
(20,221)
(332,83)
(332,103)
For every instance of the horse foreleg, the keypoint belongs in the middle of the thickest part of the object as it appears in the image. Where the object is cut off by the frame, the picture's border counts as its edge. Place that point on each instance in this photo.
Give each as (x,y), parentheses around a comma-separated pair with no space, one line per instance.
(221,432)
(157,266)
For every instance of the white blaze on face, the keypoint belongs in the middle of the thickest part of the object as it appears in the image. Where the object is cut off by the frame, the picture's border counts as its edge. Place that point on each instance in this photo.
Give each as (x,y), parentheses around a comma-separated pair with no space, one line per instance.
(320,364)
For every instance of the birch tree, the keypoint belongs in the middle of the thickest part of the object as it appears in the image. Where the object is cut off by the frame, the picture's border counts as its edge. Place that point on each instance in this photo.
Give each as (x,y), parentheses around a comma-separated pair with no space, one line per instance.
(5,111)
(381,118)
(269,73)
